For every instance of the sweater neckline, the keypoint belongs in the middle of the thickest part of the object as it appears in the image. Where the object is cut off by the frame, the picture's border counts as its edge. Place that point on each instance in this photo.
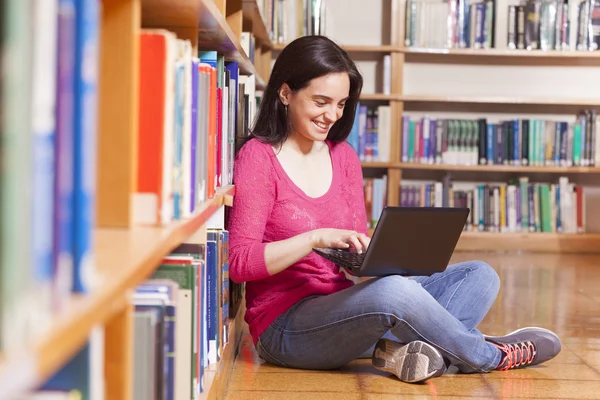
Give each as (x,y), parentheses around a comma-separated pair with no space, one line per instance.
(296,188)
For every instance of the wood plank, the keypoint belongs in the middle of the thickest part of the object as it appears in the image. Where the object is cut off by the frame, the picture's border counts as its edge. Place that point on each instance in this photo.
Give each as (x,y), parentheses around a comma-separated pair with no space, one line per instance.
(118,359)
(235,17)
(125,258)
(502,57)
(118,111)
(504,104)
(530,242)
(356,48)
(501,168)
(254,19)
(379,96)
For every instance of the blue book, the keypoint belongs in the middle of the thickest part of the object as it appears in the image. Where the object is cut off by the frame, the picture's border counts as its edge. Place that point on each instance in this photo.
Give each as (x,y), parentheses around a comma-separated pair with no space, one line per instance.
(63,195)
(85,139)
(192,205)
(178,142)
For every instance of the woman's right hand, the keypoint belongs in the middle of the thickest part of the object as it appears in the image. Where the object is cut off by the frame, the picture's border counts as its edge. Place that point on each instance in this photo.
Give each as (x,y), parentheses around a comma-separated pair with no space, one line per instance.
(339,238)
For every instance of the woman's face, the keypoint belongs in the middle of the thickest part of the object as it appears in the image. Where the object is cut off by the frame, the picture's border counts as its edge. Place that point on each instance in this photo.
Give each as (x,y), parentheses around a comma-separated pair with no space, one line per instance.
(314,109)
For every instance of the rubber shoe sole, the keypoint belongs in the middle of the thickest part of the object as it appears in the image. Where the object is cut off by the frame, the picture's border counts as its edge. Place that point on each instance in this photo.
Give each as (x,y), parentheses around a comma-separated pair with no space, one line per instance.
(414,362)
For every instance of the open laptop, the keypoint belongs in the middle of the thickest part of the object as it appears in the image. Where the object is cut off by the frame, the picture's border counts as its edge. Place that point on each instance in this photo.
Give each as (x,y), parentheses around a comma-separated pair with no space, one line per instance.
(408,241)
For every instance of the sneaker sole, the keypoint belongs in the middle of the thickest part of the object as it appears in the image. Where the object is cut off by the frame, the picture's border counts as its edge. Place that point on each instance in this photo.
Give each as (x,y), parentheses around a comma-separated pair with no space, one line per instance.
(414,362)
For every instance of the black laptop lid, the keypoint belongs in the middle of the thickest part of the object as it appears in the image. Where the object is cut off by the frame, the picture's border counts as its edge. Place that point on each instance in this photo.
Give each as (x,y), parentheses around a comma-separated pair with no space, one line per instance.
(414,240)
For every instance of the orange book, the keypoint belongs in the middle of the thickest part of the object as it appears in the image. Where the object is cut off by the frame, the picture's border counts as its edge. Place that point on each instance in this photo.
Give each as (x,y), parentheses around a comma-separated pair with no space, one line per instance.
(212,136)
(154,64)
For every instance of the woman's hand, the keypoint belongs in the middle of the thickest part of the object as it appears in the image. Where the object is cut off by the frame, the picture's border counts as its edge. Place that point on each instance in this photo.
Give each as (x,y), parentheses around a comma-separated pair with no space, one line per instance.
(339,238)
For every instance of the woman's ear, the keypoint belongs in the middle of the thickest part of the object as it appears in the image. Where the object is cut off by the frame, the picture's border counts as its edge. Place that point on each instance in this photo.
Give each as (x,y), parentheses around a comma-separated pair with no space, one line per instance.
(284,94)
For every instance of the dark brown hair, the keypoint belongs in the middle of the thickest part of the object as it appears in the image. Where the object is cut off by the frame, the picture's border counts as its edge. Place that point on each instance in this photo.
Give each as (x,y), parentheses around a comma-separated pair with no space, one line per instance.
(302,60)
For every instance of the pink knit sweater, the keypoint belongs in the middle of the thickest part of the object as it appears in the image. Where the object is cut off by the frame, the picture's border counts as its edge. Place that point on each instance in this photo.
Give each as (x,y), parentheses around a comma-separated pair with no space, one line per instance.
(269,207)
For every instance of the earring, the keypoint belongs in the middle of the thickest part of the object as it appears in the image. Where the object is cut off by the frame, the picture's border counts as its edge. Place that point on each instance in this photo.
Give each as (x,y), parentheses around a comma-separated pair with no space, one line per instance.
(285,109)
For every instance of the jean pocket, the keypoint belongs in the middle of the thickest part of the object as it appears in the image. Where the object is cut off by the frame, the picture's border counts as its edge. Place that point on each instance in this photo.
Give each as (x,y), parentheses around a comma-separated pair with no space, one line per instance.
(265,355)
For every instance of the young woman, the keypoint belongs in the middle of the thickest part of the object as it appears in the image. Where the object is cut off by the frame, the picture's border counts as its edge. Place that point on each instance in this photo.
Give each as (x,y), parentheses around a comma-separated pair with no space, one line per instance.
(299,186)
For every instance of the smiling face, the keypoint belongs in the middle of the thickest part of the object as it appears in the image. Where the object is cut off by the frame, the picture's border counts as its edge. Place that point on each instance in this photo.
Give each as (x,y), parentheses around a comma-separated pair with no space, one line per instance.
(314,109)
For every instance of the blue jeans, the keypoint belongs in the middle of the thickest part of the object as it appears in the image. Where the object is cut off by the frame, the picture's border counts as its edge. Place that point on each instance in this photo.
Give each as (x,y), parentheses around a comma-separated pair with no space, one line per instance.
(327,332)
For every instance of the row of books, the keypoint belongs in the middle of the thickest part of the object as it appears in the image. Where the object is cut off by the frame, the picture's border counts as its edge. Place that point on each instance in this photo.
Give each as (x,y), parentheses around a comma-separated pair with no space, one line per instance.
(517,142)
(287,20)
(182,315)
(514,206)
(184,311)
(192,108)
(375,191)
(371,133)
(449,24)
(48,151)
(554,25)
(531,24)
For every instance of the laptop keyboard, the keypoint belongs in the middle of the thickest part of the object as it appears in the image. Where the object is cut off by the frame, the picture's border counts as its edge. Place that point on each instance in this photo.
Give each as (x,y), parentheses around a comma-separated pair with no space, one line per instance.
(342,257)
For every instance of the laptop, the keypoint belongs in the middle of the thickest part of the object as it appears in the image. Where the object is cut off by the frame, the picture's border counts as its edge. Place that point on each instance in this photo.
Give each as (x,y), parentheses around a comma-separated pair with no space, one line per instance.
(408,241)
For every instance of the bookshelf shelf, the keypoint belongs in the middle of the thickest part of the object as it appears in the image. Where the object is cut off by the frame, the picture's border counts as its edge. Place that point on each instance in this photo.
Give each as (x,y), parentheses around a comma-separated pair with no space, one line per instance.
(543,242)
(501,56)
(253,16)
(500,104)
(500,168)
(530,242)
(357,48)
(380,97)
(551,101)
(205,18)
(124,258)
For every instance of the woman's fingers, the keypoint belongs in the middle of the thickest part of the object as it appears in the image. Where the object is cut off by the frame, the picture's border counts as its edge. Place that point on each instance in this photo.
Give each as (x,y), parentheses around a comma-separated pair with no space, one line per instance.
(365,240)
(356,242)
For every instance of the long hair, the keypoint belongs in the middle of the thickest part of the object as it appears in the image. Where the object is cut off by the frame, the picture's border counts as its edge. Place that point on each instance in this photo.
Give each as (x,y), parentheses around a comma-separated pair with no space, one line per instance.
(302,60)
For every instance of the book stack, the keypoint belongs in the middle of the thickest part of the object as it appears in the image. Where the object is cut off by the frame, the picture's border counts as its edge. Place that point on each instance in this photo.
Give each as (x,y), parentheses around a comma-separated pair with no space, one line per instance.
(519,142)
(514,206)
(192,109)
(182,316)
(449,24)
(371,133)
(287,20)
(554,25)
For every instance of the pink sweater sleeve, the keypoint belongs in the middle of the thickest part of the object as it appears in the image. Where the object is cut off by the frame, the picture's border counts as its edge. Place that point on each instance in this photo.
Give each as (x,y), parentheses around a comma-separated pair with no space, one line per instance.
(252,205)
(354,178)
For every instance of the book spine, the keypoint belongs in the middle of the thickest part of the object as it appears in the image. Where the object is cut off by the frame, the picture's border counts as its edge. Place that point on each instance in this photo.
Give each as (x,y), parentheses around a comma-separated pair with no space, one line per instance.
(86,111)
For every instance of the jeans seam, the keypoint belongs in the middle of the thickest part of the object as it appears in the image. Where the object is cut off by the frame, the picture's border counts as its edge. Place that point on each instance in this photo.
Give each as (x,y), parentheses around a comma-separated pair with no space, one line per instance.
(325,326)
(268,353)
(468,270)
(445,276)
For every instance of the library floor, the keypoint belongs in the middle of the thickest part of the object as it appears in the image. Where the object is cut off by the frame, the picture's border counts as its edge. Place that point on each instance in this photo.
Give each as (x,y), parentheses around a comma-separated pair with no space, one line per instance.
(561,293)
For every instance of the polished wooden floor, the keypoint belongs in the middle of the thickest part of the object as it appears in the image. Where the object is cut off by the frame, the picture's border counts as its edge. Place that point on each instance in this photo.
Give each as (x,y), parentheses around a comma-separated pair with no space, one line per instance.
(561,293)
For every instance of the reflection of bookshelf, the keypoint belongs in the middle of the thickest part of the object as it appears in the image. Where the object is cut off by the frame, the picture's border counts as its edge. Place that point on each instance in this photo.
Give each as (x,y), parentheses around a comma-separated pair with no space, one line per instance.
(126,253)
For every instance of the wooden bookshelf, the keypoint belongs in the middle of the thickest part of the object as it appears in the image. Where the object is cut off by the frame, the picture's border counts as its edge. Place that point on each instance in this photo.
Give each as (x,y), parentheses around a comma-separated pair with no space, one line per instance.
(207,26)
(125,258)
(534,242)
